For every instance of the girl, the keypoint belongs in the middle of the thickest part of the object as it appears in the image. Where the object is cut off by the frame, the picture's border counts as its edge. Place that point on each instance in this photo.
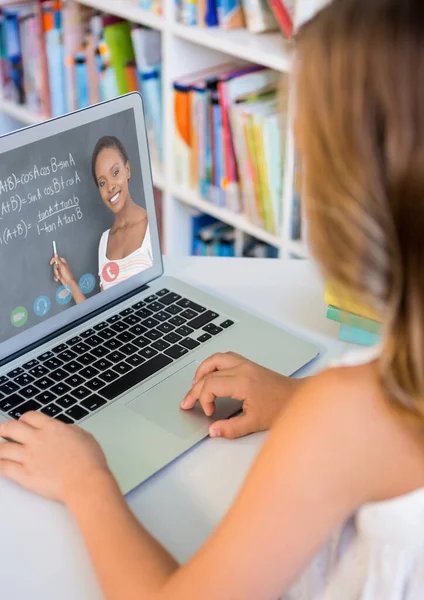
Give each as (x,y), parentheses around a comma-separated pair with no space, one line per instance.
(125,249)
(334,505)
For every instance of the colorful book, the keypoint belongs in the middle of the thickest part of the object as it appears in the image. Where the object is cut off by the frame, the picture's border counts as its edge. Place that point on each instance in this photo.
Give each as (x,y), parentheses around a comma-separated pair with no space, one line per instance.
(230,14)
(334,296)
(347,318)
(118,39)
(259,16)
(283,12)
(354,335)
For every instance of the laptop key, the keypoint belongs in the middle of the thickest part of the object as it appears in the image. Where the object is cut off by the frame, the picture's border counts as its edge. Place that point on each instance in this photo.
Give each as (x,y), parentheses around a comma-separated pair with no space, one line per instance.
(53,363)
(100,351)
(170,298)
(86,359)
(163,292)
(44,383)
(135,360)
(10,402)
(227,324)
(177,321)
(166,327)
(77,412)
(106,334)
(176,351)
(129,349)
(125,337)
(131,320)
(150,323)
(160,345)
(74,340)
(156,306)
(29,392)
(122,368)
(189,343)
(64,419)
(89,372)
(139,305)
(17,413)
(154,334)
(116,356)
(67,401)
(189,314)
(186,303)
(60,389)
(112,344)
(94,341)
(162,316)
(45,397)
(88,333)
(184,330)
(141,342)
(172,338)
(51,410)
(59,374)
(202,319)
(60,348)
(100,326)
(24,379)
(109,376)
(113,319)
(74,380)
(137,330)
(3,379)
(67,355)
(135,376)
(126,312)
(81,393)
(38,371)
(119,326)
(73,366)
(102,364)
(15,372)
(81,348)
(148,352)
(9,388)
(144,313)
(45,356)
(213,329)
(173,309)
(204,338)
(93,402)
(151,298)
(94,384)
(30,364)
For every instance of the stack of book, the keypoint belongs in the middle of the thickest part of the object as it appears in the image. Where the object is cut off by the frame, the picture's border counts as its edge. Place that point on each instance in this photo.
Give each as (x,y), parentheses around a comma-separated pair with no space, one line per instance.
(56,57)
(228,141)
(211,237)
(257,16)
(358,325)
(154,6)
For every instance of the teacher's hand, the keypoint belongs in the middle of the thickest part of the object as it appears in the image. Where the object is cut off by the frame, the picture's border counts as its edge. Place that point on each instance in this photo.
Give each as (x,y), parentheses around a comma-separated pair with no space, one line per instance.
(263,393)
(61,270)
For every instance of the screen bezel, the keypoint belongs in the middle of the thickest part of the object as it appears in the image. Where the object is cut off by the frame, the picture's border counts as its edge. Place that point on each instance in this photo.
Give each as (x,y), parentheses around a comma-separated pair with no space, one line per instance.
(54,326)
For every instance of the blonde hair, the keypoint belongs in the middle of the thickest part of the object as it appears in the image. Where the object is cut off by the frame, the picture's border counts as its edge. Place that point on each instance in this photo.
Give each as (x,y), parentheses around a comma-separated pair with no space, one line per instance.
(360,88)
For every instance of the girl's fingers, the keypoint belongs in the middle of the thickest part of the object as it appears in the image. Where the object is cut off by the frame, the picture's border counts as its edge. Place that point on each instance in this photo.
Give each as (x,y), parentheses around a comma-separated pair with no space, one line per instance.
(12,451)
(35,419)
(217,362)
(13,471)
(17,431)
(215,385)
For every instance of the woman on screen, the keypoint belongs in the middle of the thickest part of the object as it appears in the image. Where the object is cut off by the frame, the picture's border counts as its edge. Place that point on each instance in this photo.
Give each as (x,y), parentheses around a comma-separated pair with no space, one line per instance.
(125,249)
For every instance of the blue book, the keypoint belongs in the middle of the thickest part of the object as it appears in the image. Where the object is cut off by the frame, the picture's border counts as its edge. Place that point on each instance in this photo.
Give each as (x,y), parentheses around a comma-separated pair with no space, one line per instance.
(211,15)
(354,335)
(56,65)
(81,81)
(151,90)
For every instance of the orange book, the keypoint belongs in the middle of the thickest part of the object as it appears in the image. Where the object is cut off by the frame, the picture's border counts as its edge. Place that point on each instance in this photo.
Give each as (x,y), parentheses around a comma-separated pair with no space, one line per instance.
(45,87)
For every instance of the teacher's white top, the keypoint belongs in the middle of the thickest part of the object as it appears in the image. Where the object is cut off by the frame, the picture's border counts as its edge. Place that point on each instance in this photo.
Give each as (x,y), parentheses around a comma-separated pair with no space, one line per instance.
(378,554)
(112,272)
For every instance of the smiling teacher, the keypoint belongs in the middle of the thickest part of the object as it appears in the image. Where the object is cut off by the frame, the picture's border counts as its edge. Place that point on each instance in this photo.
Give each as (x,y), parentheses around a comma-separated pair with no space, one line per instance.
(125,249)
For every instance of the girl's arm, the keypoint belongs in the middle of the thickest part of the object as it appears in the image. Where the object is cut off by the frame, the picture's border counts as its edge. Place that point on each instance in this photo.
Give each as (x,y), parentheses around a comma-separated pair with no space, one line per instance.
(325,456)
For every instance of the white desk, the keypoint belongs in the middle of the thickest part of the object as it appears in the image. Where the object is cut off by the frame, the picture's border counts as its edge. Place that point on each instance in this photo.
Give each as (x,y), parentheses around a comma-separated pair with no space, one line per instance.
(42,556)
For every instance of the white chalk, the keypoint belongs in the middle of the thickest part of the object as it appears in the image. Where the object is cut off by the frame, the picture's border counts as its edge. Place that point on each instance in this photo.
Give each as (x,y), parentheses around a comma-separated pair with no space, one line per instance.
(54,249)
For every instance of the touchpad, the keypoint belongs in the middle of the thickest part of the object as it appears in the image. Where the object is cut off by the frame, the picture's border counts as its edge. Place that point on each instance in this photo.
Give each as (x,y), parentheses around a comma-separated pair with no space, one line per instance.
(161,405)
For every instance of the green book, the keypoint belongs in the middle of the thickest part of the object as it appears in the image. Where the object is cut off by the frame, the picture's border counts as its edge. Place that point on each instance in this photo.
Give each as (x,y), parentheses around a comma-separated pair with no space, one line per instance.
(347,318)
(119,42)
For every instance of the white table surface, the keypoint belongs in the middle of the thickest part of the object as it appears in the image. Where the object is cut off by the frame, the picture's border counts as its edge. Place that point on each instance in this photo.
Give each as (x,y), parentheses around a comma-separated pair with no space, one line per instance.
(42,555)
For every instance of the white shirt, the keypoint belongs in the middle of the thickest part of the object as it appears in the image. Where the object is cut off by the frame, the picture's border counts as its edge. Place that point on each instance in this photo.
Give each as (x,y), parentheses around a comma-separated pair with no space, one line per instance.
(112,272)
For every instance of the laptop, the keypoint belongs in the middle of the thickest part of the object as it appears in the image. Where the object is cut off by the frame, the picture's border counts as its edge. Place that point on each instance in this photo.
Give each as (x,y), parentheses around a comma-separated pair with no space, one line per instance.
(91,331)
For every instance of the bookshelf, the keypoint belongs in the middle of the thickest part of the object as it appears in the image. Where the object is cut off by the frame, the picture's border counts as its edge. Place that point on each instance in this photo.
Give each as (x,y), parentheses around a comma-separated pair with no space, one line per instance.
(186,49)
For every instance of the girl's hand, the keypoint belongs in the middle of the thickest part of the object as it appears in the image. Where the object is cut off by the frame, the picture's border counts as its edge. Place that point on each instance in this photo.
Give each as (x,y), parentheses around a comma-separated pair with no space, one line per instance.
(48,457)
(262,391)
(62,272)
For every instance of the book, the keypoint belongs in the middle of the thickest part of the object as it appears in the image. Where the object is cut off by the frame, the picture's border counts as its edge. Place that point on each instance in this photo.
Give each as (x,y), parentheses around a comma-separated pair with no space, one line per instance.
(334,296)
(347,318)
(55,57)
(283,12)
(117,35)
(354,335)
(230,14)
(259,16)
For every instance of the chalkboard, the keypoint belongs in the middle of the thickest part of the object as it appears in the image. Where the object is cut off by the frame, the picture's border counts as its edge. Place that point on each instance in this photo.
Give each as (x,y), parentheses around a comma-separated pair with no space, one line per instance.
(47,193)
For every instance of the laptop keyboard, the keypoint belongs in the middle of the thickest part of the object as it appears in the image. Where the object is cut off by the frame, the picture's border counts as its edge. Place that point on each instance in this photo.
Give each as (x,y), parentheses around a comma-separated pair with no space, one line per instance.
(91,369)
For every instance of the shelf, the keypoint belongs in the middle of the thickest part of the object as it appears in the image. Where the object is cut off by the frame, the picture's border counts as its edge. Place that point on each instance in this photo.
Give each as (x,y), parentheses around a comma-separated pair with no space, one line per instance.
(191,198)
(268,49)
(298,249)
(20,112)
(127,10)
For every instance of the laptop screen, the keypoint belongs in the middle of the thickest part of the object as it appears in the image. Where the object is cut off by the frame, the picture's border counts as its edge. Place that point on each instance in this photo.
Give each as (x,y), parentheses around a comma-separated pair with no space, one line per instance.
(77,221)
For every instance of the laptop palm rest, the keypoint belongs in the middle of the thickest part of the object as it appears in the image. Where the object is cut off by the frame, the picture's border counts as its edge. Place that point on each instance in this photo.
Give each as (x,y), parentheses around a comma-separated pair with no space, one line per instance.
(161,405)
